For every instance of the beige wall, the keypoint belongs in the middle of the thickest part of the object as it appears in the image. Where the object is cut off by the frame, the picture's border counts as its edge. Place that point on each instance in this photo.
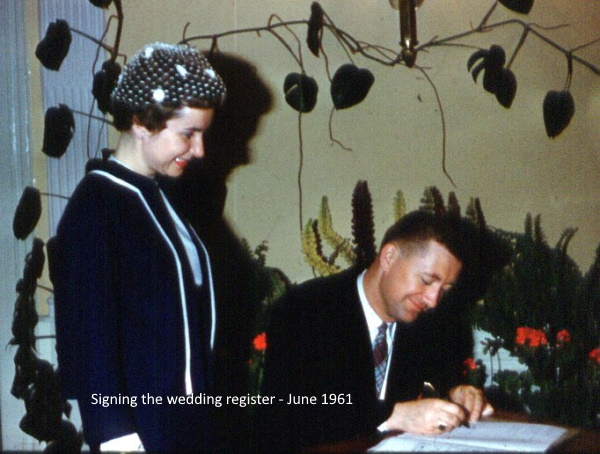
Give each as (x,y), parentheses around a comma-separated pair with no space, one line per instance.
(502,156)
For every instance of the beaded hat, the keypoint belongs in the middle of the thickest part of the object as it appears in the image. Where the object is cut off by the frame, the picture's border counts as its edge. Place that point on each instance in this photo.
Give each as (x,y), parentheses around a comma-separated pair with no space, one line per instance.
(168,75)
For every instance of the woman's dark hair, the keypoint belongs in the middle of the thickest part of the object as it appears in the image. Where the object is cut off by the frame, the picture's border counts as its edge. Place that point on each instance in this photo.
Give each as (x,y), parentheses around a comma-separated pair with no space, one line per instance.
(153,117)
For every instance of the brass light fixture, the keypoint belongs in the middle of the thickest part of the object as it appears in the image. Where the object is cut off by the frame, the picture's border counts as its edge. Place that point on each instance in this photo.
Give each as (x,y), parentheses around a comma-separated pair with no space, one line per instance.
(408,28)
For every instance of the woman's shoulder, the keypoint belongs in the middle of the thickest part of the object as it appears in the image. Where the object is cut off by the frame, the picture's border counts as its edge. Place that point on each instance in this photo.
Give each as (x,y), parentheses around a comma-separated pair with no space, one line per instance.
(96,194)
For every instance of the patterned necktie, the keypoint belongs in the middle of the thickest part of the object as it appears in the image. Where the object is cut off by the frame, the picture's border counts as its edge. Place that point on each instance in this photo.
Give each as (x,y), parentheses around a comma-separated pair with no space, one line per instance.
(380,354)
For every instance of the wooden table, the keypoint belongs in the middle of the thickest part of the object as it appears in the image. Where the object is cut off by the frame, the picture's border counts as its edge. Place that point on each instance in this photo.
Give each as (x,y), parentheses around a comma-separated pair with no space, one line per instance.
(582,441)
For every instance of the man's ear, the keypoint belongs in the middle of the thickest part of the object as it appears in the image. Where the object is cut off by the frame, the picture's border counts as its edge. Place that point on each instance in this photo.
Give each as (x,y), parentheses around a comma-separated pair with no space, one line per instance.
(388,254)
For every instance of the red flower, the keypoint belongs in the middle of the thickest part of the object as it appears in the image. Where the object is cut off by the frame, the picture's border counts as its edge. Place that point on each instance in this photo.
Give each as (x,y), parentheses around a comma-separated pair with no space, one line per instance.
(595,355)
(563,337)
(470,364)
(260,341)
(530,337)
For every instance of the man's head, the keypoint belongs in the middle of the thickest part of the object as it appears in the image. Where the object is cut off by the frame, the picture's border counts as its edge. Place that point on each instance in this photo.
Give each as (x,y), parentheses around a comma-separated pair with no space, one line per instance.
(420,259)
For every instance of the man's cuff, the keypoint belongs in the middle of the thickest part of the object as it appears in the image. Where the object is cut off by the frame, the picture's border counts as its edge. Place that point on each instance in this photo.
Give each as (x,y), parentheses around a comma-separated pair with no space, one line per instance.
(126,443)
(383,427)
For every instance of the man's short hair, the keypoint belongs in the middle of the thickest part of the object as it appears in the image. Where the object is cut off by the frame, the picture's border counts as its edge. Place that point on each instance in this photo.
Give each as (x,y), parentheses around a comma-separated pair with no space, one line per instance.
(459,235)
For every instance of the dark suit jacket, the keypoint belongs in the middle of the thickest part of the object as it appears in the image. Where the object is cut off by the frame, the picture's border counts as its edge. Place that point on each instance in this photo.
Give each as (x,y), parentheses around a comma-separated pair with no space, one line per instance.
(319,345)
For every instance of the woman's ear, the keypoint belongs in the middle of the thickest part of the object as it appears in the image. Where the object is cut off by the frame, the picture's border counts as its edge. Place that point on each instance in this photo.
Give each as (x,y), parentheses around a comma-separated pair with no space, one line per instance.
(139,130)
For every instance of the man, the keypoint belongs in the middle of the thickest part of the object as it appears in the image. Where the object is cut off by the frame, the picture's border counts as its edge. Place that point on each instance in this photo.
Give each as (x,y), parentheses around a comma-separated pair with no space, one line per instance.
(333,376)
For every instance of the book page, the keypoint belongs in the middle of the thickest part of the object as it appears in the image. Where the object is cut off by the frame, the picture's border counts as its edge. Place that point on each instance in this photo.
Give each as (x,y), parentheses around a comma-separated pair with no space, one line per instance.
(481,436)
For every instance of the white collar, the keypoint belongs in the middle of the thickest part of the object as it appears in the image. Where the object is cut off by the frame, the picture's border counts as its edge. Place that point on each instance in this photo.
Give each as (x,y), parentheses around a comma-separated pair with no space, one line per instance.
(373,320)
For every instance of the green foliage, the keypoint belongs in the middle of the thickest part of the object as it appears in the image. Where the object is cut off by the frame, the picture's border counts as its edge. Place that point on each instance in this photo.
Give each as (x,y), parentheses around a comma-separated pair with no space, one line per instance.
(542,289)
(268,284)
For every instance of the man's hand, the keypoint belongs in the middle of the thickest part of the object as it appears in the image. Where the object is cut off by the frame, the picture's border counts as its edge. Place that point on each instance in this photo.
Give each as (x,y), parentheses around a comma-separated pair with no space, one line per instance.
(472,400)
(426,416)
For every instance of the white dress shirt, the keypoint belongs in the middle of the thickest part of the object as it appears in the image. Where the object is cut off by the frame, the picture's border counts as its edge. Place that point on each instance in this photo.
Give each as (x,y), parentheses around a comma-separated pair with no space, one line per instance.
(374,322)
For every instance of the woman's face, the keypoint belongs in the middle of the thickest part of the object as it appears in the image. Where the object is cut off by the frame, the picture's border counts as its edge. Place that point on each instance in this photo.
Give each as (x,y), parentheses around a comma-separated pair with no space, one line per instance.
(168,151)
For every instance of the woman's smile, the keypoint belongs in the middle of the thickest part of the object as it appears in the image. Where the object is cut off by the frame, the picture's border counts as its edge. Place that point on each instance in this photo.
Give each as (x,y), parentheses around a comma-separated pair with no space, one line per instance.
(182,162)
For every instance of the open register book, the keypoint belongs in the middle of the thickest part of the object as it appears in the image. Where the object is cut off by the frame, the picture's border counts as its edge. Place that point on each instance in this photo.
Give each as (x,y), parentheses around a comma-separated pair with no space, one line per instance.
(482,436)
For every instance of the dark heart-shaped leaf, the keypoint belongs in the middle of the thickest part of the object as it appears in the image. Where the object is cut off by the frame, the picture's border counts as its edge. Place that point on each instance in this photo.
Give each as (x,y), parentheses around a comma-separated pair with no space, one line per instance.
(492,65)
(69,440)
(559,108)
(59,127)
(28,212)
(24,371)
(54,47)
(300,92)
(31,427)
(518,6)
(506,87)
(481,53)
(101,3)
(315,29)
(497,79)
(25,318)
(104,83)
(350,85)
(496,57)
(34,266)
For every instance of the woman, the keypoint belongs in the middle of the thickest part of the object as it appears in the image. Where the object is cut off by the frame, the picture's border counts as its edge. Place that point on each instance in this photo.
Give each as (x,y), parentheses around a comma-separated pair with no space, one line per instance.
(134,304)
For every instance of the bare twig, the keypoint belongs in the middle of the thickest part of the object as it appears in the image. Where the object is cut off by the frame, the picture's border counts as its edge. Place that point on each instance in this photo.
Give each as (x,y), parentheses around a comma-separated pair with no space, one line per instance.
(519,45)
(340,39)
(331,131)
(569,71)
(95,117)
(270,29)
(531,29)
(300,166)
(443,120)
(485,19)
(91,38)
(49,194)
(120,17)
(595,41)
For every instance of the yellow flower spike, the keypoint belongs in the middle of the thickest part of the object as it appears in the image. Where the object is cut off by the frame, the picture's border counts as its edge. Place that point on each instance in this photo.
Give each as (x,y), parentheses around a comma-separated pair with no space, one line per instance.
(342,246)
(399,205)
(311,252)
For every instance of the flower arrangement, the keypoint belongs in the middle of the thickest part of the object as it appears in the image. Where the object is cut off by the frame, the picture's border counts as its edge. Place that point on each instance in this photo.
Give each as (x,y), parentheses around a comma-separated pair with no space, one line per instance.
(475,372)
(546,313)
(270,284)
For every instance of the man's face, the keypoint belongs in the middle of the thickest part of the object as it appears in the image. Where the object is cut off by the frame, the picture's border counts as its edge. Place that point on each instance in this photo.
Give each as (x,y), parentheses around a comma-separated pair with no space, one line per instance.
(414,281)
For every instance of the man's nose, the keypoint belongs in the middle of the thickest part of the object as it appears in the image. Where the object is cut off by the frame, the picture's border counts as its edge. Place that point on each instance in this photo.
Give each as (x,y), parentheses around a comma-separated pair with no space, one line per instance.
(432,296)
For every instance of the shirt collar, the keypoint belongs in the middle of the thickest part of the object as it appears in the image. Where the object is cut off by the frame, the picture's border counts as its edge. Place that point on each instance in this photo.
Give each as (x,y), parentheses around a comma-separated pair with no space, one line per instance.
(373,320)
